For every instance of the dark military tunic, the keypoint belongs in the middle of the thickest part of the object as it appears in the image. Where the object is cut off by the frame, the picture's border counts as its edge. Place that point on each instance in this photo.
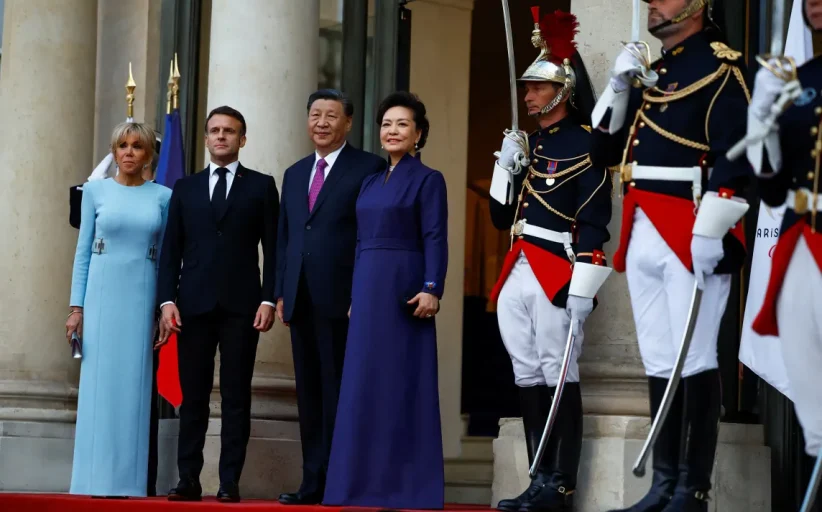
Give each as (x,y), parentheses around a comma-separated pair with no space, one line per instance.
(694,114)
(564,192)
(800,129)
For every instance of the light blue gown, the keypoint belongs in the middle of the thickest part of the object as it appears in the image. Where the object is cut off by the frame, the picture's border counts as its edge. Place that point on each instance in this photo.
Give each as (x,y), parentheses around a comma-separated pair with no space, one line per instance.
(116,285)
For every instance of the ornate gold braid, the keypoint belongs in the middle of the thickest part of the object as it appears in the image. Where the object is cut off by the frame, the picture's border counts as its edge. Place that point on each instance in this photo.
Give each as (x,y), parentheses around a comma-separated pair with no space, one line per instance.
(546,205)
(564,172)
(671,136)
(711,107)
(668,97)
(561,184)
(741,79)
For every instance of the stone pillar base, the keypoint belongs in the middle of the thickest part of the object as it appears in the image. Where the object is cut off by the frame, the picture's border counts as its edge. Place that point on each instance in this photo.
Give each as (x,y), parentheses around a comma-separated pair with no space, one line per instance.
(36,456)
(273,463)
(741,479)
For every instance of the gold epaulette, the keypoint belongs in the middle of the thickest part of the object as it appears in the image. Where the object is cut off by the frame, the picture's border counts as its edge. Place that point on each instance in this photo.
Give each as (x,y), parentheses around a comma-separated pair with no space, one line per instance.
(586,128)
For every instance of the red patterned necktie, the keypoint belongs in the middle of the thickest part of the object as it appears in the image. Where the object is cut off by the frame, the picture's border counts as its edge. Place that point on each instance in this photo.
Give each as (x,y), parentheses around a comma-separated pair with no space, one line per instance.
(317,183)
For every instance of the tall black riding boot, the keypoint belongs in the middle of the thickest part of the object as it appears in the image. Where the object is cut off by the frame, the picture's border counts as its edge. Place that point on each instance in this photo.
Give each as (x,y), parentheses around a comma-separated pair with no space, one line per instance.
(666,450)
(557,474)
(534,416)
(703,404)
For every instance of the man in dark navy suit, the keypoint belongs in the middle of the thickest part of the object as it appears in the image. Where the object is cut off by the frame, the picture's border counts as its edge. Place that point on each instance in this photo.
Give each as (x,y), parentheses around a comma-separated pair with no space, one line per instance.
(316,242)
(217,219)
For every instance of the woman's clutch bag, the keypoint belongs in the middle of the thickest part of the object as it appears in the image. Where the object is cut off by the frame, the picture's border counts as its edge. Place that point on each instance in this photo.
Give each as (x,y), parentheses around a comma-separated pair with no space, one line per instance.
(76,346)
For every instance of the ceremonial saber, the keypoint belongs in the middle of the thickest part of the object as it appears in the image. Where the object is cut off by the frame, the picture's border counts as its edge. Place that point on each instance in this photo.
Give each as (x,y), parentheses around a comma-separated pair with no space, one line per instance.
(777,50)
(635,21)
(509,42)
(813,486)
(786,98)
(673,383)
(552,414)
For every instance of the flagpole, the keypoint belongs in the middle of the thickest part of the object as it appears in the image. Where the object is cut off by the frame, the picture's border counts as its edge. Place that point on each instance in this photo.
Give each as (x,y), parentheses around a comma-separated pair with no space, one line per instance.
(130,86)
(170,85)
(175,77)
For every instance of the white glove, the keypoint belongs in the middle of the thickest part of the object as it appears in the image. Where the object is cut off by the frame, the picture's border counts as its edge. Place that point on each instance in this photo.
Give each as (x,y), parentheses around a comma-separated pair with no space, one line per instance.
(578,309)
(705,254)
(616,94)
(767,89)
(627,67)
(511,156)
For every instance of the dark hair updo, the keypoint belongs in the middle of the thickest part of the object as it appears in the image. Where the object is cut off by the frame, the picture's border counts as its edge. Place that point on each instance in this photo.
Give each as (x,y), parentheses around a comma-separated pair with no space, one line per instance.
(411,102)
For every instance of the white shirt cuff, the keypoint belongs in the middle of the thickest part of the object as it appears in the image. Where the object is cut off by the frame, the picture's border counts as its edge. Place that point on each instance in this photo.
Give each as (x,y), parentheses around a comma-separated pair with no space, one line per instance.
(269,304)
(165,304)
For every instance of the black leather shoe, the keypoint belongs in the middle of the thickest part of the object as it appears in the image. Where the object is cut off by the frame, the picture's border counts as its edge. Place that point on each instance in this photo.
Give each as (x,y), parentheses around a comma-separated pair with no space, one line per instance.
(300,498)
(550,498)
(186,490)
(688,502)
(229,492)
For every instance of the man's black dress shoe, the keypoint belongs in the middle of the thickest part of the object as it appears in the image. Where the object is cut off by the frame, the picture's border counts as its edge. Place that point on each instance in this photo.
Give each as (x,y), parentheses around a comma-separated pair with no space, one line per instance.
(186,490)
(300,498)
(229,492)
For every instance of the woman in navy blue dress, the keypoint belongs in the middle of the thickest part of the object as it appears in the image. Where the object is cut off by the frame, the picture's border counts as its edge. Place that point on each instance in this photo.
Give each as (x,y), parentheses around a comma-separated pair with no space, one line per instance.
(387,446)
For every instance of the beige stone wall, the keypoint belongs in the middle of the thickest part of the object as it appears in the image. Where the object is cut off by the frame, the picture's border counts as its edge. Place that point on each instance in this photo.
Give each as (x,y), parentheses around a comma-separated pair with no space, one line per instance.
(263,62)
(612,374)
(126,32)
(440,58)
(47,107)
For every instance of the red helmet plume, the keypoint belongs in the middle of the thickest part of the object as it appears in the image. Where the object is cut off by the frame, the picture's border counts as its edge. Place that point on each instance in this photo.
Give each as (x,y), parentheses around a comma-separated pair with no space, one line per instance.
(558,30)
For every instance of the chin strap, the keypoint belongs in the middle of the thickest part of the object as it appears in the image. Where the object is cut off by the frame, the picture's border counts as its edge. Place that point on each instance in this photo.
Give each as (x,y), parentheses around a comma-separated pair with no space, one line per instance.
(567,91)
(689,11)
(559,98)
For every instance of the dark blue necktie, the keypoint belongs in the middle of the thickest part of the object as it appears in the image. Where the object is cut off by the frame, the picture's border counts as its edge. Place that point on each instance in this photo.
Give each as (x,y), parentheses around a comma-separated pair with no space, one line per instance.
(218,197)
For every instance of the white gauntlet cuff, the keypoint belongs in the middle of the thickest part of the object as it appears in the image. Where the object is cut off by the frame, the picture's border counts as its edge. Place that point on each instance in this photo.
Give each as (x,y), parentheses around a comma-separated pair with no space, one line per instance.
(717,215)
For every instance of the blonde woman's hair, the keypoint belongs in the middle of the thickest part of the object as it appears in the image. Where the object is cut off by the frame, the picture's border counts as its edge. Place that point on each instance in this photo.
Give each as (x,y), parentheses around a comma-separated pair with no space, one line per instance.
(143,133)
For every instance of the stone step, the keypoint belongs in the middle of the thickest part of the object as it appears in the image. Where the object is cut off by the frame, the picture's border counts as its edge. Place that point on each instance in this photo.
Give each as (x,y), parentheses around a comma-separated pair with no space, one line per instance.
(468,493)
(469,471)
(480,449)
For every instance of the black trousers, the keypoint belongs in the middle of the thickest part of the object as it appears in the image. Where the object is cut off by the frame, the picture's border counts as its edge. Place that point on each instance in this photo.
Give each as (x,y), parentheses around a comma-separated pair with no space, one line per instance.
(197,345)
(318,346)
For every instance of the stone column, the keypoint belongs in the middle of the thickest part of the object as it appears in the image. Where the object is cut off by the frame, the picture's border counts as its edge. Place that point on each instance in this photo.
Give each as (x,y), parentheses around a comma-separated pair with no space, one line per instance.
(127,32)
(440,66)
(47,104)
(262,61)
(613,377)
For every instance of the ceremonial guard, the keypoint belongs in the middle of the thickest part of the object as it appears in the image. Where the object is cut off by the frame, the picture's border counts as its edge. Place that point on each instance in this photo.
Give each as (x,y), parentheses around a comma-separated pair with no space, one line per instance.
(681,238)
(786,158)
(549,278)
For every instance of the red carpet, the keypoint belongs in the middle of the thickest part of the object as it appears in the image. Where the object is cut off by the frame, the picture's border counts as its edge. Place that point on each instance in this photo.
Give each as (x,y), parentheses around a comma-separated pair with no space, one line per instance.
(67,503)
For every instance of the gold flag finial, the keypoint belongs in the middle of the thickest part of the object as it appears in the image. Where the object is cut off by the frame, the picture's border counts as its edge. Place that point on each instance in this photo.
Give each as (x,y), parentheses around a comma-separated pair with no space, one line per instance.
(130,86)
(170,84)
(175,78)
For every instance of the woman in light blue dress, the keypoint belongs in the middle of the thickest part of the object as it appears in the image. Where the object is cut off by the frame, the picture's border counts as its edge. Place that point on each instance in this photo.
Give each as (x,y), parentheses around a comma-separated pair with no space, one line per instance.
(112,309)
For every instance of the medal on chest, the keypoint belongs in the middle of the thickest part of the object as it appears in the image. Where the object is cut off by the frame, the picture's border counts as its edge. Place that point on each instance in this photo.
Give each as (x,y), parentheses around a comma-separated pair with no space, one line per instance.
(552,168)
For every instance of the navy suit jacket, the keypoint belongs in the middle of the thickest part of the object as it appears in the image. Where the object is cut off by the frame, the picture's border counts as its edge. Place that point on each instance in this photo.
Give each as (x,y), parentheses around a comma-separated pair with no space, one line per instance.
(320,245)
(220,257)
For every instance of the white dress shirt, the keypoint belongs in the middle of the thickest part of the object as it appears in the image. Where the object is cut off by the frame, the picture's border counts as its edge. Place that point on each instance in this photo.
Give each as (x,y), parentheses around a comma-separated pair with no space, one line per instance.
(329,160)
(213,178)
